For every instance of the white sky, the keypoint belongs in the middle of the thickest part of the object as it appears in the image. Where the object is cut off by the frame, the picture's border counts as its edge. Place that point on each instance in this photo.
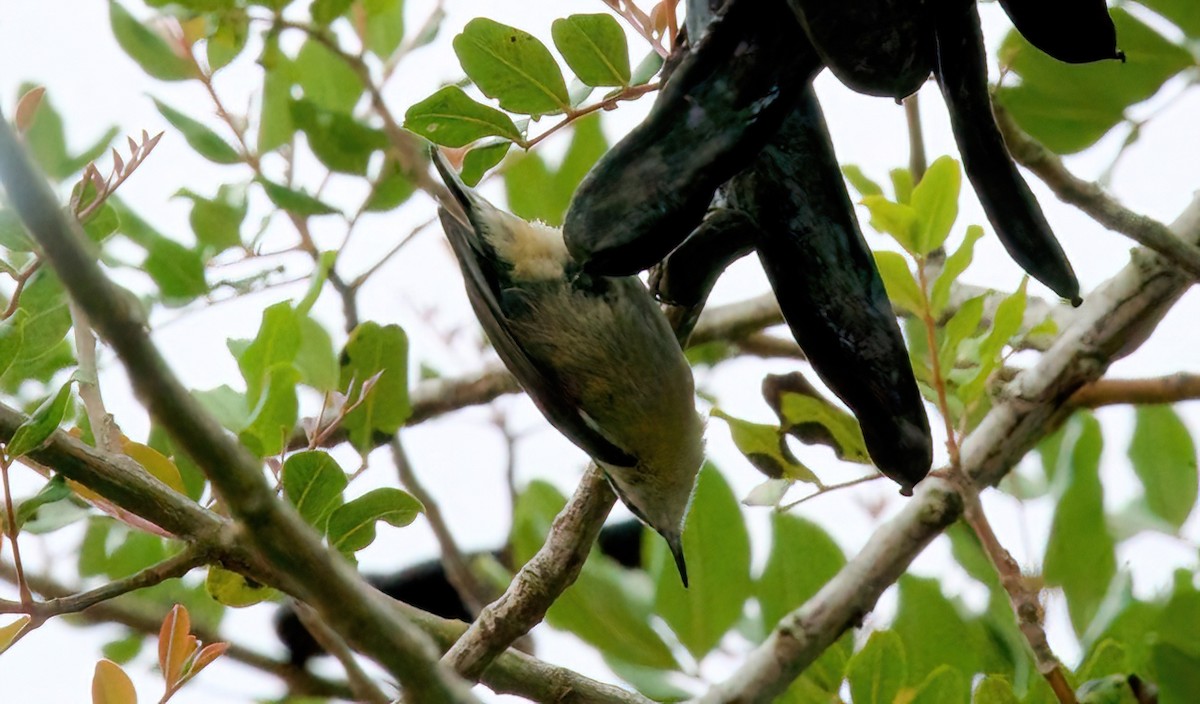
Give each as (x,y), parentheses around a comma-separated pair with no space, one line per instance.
(67,46)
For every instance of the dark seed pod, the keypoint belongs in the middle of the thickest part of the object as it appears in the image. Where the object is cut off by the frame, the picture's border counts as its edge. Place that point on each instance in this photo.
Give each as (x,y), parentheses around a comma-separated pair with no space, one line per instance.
(830,292)
(877,47)
(726,98)
(1074,31)
(1006,198)
(684,279)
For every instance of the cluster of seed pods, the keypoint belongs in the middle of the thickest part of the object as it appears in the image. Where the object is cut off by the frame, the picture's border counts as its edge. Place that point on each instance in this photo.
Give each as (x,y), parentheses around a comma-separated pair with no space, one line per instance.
(735,157)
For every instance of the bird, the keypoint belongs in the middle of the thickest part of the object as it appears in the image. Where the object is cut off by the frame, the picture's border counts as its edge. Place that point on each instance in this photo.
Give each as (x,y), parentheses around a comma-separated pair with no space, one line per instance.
(595,354)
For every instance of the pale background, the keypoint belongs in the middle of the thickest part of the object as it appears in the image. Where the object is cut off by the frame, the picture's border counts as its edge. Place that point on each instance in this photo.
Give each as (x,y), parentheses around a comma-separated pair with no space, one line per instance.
(67,46)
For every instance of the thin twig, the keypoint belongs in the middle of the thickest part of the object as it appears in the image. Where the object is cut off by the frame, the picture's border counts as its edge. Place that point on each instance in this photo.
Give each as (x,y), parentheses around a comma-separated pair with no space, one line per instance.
(458,571)
(104,428)
(828,488)
(917,161)
(1025,602)
(361,684)
(12,530)
(1163,389)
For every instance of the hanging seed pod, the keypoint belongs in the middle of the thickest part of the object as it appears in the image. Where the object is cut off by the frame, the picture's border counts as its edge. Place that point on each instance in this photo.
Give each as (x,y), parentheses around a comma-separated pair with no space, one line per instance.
(1006,198)
(877,47)
(830,292)
(1074,31)
(726,99)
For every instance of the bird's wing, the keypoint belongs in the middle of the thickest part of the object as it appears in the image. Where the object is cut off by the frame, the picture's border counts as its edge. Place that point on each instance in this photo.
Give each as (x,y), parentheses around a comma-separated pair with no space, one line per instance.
(539,381)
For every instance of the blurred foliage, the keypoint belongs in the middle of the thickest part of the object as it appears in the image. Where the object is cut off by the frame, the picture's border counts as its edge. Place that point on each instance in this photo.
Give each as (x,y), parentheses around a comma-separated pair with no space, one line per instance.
(316,118)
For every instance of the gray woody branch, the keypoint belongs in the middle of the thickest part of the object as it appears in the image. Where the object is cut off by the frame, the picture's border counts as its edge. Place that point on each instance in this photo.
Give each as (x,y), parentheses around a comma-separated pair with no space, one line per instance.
(275,530)
(1113,322)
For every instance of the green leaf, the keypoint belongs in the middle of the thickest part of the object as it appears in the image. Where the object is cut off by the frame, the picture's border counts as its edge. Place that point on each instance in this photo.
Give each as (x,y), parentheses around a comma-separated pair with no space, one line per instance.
(102,223)
(204,141)
(275,126)
(271,421)
(1181,13)
(1109,658)
(313,482)
(46,139)
(46,316)
(392,188)
(479,160)
(766,448)
(338,140)
(54,490)
(326,79)
(536,508)
(936,635)
(807,416)
(217,222)
(371,350)
(653,683)
(898,279)
(609,608)
(227,405)
(1069,107)
(595,48)
(177,270)
(147,47)
(384,21)
(512,66)
(1005,325)
(1178,673)
(864,185)
(451,118)
(902,185)
(717,549)
(647,68)
(995,689)
(1164,458)
(1181,615)
(955,265)
(961,326)
(38,427)
(276,343)
(351,526)
(295,202)
(13,236)
(803,558)
(895,219)
(935,200)
(232,589)
(878,671)
(945,685)
(326,11)
(228,39)
(1080,555)
(316,358)
(124,650)
(12,332)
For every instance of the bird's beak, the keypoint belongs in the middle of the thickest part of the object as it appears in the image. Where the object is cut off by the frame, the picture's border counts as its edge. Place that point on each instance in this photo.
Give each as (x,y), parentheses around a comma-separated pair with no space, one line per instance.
(467,205)
(675,542)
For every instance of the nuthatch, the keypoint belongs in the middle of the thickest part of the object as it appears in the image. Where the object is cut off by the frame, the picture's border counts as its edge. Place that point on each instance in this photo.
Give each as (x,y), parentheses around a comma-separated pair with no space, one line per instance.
(595,354)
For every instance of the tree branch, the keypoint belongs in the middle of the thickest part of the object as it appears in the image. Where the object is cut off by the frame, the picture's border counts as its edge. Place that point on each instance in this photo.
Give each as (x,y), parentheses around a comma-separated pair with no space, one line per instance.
(1114,321)
(1163,389)
(1091,198)
(540,581)
(274,529)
